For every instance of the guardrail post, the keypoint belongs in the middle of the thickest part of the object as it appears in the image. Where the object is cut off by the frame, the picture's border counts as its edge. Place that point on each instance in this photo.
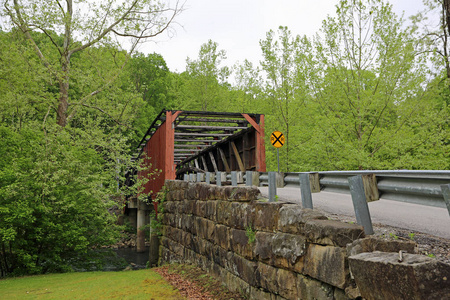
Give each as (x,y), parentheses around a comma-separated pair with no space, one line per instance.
(305,189)
(233,178)
(272,186)
(360,203)
(208,178)
(248,178)
(199,177)
(219,178)
(186,177)
(445,188)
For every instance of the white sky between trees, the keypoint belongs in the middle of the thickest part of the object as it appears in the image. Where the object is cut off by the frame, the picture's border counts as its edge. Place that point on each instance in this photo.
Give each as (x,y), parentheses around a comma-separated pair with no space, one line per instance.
(238,26)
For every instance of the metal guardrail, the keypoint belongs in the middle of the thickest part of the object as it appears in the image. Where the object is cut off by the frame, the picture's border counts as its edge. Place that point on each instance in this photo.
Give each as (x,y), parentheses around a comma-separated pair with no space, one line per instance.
(430,188)
(419,187)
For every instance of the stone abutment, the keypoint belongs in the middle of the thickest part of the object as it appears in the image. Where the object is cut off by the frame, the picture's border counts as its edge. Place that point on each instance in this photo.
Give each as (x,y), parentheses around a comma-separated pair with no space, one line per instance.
(278,250)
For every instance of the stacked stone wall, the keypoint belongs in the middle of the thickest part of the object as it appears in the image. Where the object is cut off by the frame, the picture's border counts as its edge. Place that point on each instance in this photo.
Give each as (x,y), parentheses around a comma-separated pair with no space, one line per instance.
(265,250)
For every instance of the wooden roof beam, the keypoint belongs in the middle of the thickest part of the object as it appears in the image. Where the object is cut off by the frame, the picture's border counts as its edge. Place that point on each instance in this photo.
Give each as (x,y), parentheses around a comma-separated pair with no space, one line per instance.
(192,134)
(212,128)
(200,119)
(197,140)
(187,150)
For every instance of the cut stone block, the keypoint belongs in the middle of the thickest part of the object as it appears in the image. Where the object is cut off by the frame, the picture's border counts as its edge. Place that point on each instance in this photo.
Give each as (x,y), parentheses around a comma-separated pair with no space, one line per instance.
(265,215)
(223,212)
(288,249)
(380,275)
(334,233)
(263,246)
(372,244)
(239,215)
(222,236)
(328,264)
(240,244)
(293,217)
(309,288)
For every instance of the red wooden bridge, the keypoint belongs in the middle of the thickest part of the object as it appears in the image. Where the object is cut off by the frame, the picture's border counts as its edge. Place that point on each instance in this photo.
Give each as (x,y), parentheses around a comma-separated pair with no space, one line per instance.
(179,142)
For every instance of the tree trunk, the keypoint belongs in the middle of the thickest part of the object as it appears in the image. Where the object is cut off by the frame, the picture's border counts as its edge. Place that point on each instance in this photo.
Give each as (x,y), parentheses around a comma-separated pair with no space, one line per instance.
(63,104)
(446,29)
(63,93)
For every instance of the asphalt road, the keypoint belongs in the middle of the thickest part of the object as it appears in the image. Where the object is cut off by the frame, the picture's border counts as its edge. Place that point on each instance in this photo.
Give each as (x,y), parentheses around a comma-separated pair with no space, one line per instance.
(421,218)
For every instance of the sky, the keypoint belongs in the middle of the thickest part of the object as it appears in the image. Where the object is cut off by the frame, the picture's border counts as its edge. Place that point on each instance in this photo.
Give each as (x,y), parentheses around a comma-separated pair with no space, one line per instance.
(238,26)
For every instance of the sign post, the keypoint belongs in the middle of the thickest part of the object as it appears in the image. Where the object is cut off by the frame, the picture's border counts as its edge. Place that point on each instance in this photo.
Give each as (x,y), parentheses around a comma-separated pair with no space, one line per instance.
(277,140)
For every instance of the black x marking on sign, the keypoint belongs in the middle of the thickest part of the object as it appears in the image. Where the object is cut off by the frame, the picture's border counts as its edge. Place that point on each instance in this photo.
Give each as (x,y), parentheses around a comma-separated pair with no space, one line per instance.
(277,139)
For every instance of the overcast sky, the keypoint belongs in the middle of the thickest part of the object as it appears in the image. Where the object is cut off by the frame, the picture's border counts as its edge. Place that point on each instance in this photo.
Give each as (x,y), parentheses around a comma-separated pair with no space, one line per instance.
(238,26)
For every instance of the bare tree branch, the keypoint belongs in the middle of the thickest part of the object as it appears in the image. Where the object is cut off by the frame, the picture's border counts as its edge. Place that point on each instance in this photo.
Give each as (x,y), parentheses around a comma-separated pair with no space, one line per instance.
(111,28)
(48,35)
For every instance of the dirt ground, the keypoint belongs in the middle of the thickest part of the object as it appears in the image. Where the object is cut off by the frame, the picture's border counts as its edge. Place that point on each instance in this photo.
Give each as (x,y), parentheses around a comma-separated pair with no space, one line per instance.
(194,283)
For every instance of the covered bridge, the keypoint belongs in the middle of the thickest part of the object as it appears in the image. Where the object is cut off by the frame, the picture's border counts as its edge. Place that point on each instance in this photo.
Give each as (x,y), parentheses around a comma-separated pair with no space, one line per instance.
(179,142)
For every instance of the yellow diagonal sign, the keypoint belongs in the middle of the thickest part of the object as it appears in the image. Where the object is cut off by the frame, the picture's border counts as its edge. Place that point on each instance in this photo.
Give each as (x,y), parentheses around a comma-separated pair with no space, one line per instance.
(277,139)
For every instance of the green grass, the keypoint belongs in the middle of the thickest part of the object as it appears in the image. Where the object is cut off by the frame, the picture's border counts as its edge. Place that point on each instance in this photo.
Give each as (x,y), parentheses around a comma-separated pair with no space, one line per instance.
(141,284)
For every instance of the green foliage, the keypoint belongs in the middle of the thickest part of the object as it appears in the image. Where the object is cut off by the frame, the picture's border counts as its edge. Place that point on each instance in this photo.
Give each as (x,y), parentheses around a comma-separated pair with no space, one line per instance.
(52,207)
(251,234)
(206,81)
(391,235)
(367,81)
(57,184)
(285,94)
(356,96)
(151,80)
(157,219)
(56,187)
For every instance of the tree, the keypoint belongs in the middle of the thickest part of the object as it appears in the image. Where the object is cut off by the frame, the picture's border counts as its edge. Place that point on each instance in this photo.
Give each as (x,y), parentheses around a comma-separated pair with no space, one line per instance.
(284,89)
(368,82)
(150,78)
(82,25)
(22,99)
(247,87)
(207,79)
(52,210)
(433,35)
